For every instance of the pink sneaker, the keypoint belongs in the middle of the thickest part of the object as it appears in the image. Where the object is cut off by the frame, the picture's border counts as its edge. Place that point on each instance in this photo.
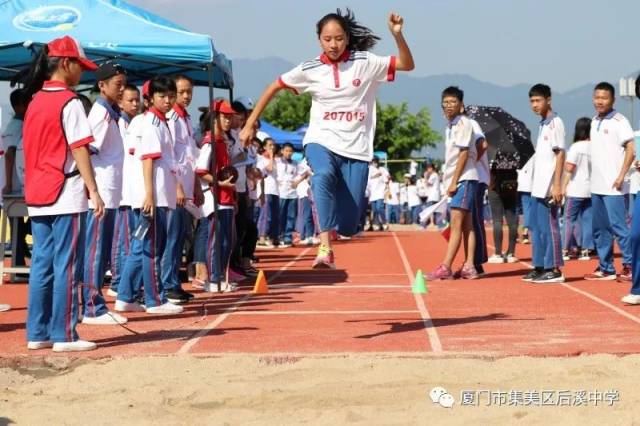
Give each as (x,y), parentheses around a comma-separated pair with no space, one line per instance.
(324,259)
(234,276)
(468,272)
(442,272)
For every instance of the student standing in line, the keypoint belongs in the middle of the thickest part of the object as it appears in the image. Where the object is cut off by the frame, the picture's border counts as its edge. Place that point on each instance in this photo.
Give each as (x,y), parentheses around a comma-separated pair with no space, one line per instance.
(287,172)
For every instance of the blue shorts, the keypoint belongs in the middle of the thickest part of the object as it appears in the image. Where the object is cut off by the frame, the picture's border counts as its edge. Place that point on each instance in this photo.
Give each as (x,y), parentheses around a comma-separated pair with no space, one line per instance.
(465,195)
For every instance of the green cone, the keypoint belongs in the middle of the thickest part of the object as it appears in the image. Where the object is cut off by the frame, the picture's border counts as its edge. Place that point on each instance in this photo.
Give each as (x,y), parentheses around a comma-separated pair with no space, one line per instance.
(419,285)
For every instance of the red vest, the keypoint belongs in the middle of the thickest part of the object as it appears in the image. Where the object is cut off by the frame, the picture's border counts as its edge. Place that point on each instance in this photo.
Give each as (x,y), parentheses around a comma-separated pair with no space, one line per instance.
(45,147)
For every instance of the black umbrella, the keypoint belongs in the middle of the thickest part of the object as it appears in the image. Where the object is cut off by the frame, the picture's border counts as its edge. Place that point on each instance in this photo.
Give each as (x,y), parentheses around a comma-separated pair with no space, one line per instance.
(504,133)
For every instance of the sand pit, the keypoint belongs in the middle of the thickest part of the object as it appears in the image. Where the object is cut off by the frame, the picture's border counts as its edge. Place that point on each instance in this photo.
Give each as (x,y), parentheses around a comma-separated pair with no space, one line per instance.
(287,389)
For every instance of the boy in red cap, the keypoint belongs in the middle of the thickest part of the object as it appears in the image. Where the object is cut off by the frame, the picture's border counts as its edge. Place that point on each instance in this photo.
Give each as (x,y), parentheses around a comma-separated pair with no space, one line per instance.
(56,138)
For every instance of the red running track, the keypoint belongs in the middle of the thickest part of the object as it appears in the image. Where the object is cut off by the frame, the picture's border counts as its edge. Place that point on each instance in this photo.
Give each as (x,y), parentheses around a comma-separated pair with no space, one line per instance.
(367,306)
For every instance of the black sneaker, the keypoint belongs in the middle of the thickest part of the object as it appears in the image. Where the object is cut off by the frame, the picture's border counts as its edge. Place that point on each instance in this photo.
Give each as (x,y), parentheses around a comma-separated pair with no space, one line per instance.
(186,294)
(554,276)
(533,274)
(176,297)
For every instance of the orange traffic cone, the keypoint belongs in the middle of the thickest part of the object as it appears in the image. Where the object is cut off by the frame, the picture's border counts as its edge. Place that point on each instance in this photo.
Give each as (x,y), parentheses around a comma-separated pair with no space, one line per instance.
(261,286)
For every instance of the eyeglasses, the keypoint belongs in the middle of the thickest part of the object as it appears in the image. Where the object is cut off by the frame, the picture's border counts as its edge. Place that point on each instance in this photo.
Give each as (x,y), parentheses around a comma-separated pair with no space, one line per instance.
(449,103)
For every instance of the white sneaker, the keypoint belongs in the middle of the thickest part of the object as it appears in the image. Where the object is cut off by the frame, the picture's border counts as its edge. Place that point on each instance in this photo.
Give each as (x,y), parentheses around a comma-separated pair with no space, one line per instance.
(584,255)
(315,241)
(228,287)
(167,308)
(631,299)
(284,245)
(4,308)
(345,238)
(308,241)
(39,345)
(210,287)
(112,293)
(77,346)
(496,258)
(122,306)
(512,259)
(109,318)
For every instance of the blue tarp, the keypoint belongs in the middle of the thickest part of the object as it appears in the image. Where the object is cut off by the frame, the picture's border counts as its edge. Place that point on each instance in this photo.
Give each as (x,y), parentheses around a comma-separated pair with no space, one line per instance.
(145,44)
(282,136)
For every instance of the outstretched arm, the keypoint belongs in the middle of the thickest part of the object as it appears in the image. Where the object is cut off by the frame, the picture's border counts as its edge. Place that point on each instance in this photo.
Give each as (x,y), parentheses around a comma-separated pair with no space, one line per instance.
(247,131)
(404,60)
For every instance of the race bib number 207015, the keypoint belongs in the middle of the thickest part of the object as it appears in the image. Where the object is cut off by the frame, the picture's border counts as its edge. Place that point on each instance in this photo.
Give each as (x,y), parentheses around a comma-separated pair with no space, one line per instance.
(344,116)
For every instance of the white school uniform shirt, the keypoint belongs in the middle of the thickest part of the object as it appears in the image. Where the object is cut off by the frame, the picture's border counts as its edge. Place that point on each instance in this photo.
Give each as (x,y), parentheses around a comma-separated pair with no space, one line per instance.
(185,150)
(270,178)
(131,165)
(634,180)
(412,196)
(525,175)
(304,186)
(433,188)
(609,135)
(287,172)
(343,93)
(580,156)
(482,163)
(459,136)
(155,143)
(394,194)
(107,152)
(378,179)
(12,137)
(551,138)
(421,184)
(73,197)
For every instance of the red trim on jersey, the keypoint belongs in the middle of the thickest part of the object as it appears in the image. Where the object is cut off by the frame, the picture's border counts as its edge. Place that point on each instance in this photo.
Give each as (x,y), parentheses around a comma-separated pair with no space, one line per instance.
(343,58)
(182,113)
(202,172)
(336,75)
(152,156)
(158,114)
(284,85)
(391,72)
(81,143)
(132,151)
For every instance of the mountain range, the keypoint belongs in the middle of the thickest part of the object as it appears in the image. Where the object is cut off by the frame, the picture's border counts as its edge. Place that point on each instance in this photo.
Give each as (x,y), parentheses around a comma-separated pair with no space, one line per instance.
(253,75)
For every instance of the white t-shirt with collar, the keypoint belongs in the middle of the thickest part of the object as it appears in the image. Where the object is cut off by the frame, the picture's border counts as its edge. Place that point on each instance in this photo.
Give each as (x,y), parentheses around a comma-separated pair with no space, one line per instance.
(185,150)
(131,135)
(482,163)
(412,196)
(433,187)
(12,137)
(343,108)
(304,186)
(287,172)
(460,136)
(107,153)
(609,135)
(551,138)
(270,178)
(394,194)
(580,156)
(525,175)
(378,179)
(155,143)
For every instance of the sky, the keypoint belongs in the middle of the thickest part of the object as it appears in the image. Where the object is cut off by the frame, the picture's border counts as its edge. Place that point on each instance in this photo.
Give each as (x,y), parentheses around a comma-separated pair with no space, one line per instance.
(565,43)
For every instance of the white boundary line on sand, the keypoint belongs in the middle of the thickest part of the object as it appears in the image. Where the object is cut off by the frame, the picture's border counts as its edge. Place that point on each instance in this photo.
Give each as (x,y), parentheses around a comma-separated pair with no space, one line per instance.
(587,295)
(434,340)
(193,340)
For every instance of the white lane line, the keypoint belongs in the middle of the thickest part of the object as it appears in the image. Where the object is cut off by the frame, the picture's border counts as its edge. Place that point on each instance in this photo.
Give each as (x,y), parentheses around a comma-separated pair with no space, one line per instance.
(193,340)
(336,286)
(390,312)
(588,295)
(434,340)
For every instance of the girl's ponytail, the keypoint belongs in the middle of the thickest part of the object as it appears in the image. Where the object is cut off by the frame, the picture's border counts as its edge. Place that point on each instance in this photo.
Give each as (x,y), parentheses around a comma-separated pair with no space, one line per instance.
(360,37)
(41,69)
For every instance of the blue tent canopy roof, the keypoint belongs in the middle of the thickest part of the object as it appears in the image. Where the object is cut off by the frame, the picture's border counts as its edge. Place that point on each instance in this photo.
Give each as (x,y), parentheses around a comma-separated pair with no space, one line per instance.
(281,136)
(145,44)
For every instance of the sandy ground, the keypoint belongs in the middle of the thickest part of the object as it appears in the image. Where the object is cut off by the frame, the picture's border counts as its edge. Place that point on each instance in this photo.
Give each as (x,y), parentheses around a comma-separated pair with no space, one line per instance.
(334,390)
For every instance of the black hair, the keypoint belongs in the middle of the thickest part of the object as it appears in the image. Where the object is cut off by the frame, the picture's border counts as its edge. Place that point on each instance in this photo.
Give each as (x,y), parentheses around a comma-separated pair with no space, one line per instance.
(453,91)
(540,90)
(264,143)
(583,129)
(179,77)
(359,37)
(132,87)
(603,85)
(40,70)
(161,84)
(638,87)
(16,98)
(287,145)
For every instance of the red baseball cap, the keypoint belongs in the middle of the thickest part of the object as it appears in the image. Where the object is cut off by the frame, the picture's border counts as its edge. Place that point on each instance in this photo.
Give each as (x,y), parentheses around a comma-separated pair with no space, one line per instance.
(145,88)
(68,47)
(223,106)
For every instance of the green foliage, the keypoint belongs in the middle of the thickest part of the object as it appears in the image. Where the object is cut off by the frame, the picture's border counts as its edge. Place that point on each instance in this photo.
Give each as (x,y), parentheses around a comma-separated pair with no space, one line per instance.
(288,111)
(399,132)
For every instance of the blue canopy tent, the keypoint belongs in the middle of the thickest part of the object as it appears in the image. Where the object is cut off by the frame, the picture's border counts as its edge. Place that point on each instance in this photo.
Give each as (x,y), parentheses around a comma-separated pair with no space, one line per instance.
(282,136)
(145,44)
